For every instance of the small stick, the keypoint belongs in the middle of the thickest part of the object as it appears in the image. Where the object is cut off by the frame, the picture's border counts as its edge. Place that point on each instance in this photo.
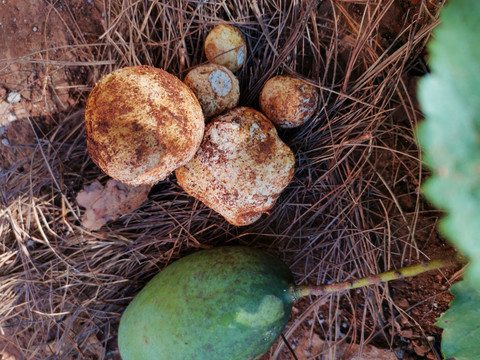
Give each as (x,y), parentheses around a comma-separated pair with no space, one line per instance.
(408,271)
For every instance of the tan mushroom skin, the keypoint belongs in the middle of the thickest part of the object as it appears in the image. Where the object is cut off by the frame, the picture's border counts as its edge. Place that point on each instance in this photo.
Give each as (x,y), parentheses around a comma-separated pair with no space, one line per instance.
(226,46)
(141,124)
(287,101)
(215,86)
(241,168)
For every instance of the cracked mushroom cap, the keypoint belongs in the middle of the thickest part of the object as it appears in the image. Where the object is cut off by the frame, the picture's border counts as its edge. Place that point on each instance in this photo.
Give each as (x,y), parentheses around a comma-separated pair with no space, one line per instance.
(141,124)
(216,88)
(225,45)
(287,101)
(241,168)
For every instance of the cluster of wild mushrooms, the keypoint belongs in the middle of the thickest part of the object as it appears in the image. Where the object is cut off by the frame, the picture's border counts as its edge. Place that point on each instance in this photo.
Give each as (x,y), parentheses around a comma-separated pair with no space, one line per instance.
(143,123)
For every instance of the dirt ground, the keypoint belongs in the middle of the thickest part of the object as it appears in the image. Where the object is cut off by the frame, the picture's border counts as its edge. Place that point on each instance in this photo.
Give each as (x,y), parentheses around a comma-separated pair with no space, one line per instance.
(37,91)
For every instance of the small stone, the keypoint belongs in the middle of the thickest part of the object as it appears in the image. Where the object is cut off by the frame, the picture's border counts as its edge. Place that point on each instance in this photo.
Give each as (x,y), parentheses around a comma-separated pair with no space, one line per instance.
(14,97)
(11,116)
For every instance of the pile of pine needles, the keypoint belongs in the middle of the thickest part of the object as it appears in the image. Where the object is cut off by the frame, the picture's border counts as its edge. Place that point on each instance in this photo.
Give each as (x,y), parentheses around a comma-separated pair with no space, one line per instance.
(63,288)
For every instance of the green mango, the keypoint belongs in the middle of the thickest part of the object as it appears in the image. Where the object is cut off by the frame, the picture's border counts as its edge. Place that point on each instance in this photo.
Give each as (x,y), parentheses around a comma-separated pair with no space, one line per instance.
(225,303)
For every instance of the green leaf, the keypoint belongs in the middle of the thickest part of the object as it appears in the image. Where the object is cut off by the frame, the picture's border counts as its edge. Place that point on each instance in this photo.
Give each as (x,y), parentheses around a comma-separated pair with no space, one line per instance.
(450,135)
(450,138)
(461,333)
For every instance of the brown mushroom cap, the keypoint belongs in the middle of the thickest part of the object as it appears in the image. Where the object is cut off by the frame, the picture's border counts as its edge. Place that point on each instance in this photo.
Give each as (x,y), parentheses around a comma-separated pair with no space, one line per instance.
(141,124)
(287,101)
(229,41)
(241,168)
(215,86)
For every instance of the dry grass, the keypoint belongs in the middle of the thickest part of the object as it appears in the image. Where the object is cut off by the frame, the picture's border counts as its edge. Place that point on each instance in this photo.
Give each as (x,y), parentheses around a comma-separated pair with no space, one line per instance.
(63,289)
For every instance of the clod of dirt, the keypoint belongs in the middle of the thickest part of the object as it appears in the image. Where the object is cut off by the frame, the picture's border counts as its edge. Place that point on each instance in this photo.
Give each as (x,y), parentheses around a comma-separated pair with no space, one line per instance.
(17,142)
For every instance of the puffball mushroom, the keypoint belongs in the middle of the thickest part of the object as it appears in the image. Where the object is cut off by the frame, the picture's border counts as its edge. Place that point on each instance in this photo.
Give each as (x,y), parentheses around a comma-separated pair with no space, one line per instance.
(215,86)
(288,101)
(141,124)
(225,45)
(241,168)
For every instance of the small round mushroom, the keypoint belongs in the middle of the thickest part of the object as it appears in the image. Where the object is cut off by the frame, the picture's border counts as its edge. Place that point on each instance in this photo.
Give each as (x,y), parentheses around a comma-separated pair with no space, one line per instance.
(229,41)
(141,124)
(241,168)
(215,86)
(287,101)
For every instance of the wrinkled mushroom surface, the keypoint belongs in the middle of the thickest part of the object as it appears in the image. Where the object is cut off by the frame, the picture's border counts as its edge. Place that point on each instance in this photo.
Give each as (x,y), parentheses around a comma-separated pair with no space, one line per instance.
(215,86)
(241,168)
(288,101)
(225,45)
(141,124)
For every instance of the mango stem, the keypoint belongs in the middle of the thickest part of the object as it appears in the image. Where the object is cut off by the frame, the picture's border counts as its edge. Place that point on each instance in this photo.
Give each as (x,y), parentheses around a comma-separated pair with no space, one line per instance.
(408,271)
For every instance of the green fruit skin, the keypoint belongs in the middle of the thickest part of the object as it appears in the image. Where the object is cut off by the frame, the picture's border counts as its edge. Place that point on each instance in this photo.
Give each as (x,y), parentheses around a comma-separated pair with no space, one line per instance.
(225,303)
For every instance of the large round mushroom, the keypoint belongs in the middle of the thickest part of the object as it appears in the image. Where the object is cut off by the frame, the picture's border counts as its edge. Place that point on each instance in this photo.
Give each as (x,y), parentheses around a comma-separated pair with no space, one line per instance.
(241,168)
(141,124)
